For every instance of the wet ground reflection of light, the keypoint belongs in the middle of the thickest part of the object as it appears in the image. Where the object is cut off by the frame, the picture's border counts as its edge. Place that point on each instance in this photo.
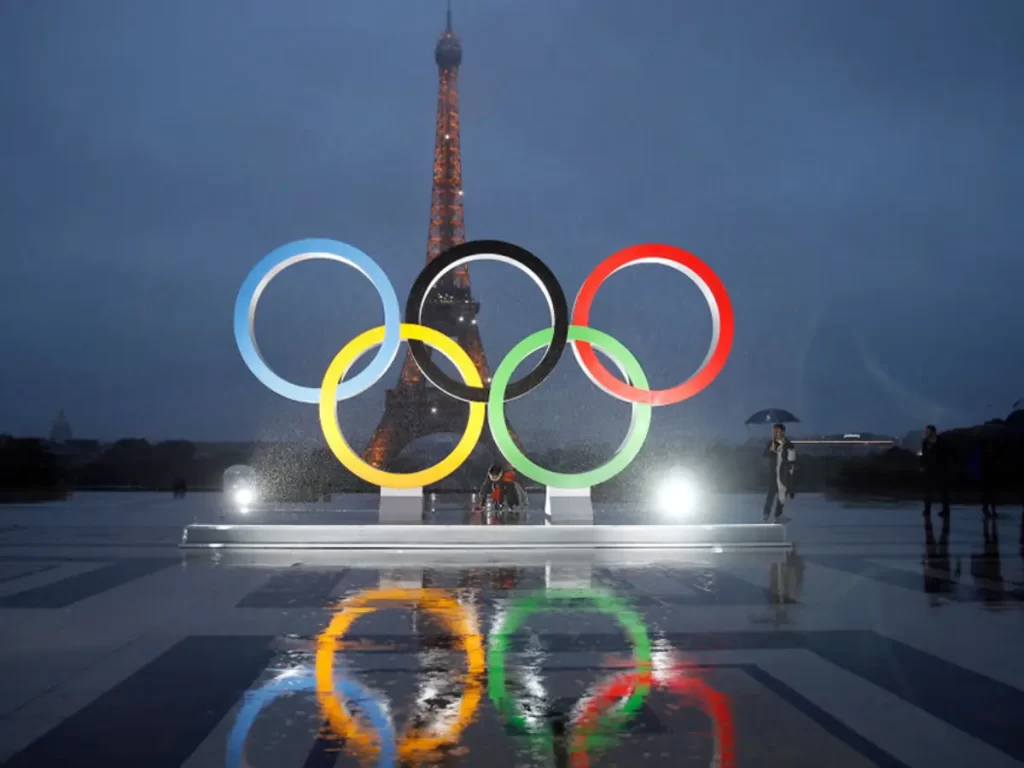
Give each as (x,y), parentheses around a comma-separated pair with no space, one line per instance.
(424,735)
(300,680)
(448,699)
(517,713)
(599,723)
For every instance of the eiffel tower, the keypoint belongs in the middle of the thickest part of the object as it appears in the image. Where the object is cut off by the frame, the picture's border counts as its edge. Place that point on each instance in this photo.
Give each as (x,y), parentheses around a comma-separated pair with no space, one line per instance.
(415,408)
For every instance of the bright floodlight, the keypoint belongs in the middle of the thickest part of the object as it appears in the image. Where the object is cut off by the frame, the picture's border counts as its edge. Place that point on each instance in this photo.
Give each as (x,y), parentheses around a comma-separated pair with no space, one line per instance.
(677,496)
(244,496)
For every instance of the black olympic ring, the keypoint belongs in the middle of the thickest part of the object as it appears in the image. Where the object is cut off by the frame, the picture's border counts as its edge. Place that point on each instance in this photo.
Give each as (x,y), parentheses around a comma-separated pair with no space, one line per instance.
(489,250)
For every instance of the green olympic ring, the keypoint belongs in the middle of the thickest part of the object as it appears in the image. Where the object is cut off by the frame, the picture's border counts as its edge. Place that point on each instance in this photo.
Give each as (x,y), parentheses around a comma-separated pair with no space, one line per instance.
(581,599)
(639,425)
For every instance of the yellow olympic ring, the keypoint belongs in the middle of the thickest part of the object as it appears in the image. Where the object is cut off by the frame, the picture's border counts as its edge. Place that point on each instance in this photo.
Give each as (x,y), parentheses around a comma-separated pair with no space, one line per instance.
(345,359)
(460,622)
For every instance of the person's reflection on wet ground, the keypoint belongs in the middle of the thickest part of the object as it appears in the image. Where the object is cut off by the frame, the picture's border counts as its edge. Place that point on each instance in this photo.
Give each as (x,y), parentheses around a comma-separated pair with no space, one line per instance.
(986,567)
(936,561)
(470,580)
(786,582)
(559,738)
(989,476)
(504,578)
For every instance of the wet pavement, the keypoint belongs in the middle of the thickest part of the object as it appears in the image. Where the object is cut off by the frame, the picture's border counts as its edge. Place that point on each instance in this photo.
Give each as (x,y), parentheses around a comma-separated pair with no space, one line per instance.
(879,640)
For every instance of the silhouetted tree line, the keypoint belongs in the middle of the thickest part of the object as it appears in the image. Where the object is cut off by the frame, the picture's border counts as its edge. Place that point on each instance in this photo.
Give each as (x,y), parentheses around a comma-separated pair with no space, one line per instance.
(287,471)
(36,469)
(896,473)
(137,463)
(28,471)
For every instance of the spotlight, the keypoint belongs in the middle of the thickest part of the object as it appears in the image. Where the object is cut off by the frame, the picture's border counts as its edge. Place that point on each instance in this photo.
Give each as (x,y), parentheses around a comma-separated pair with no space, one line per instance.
(244,497)
(677,495)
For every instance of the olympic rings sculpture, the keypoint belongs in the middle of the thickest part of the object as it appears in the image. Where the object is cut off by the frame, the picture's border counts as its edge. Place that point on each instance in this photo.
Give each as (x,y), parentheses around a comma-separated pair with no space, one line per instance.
(300,680)
(459,620)
(567,328)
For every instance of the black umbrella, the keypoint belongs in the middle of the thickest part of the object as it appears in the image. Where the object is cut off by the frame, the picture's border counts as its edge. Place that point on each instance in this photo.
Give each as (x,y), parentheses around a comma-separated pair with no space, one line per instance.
(773,416)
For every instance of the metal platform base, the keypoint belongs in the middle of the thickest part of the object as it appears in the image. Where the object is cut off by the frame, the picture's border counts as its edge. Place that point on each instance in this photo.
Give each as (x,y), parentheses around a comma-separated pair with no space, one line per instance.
(390,561)
(462,537)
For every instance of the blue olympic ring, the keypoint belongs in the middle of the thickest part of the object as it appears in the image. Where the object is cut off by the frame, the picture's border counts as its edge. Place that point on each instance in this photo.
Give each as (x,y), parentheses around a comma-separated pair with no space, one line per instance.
(303,680)
(304,250)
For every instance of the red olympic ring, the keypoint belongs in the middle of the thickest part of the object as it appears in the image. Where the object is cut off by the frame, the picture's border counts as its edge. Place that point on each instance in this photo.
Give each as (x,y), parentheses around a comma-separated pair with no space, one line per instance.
(723,328)
(680,681)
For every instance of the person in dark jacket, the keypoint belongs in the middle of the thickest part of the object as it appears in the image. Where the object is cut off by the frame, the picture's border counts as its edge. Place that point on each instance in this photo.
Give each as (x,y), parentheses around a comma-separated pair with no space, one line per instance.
(935,465)
(782,457)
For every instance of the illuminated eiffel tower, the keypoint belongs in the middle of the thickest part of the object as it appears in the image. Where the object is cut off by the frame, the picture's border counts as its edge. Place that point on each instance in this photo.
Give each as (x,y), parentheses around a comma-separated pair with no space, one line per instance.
(415,408)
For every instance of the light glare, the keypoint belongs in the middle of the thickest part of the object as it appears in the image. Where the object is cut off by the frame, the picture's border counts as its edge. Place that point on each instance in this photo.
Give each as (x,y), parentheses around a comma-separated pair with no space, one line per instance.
(677,496)
(244,496)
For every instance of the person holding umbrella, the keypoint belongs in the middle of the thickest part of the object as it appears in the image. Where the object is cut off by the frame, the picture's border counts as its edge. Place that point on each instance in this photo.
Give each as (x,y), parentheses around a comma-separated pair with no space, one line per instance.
(782,486)
(773,416)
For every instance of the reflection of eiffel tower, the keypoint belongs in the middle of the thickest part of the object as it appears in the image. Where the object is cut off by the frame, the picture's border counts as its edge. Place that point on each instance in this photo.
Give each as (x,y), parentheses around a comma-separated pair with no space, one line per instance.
(415,408)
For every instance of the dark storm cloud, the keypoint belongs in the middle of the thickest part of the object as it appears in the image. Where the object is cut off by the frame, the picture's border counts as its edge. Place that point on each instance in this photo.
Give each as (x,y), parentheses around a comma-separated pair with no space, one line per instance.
(851,170)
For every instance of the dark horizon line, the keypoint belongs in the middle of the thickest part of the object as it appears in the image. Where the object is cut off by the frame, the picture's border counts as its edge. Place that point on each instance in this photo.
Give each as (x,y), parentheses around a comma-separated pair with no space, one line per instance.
(832,438)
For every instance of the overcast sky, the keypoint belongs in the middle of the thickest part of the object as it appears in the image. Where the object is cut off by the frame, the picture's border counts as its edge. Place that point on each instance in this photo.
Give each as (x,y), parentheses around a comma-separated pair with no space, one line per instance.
(852,169)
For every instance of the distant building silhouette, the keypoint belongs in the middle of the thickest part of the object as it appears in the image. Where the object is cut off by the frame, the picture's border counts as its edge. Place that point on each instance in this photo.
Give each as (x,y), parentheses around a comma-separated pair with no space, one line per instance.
(845,444)
(60,430)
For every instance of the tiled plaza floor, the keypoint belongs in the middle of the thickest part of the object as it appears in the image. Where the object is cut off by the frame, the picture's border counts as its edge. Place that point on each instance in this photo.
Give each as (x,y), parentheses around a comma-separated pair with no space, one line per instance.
(878,641)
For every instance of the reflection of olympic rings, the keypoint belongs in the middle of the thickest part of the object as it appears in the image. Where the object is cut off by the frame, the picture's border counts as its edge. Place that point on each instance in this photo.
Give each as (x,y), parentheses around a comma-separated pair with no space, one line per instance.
(303,680)
(591,600)
(459,621)
(388,337)
(681,682)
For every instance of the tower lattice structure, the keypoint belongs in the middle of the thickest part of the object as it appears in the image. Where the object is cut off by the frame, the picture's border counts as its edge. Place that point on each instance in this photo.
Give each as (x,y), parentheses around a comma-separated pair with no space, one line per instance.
(415,408)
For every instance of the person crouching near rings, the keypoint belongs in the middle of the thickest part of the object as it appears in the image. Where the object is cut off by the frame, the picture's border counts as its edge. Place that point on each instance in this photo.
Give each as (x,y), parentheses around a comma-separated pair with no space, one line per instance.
(503,491)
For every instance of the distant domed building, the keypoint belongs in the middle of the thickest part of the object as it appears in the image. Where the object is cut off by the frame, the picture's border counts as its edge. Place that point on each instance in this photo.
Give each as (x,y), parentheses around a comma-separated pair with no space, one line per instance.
(60,431)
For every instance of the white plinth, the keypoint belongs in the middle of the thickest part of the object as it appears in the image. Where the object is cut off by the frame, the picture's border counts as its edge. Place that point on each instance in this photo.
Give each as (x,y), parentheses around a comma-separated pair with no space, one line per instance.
(400,578)
(573,576)
(401,506)
(568,506)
